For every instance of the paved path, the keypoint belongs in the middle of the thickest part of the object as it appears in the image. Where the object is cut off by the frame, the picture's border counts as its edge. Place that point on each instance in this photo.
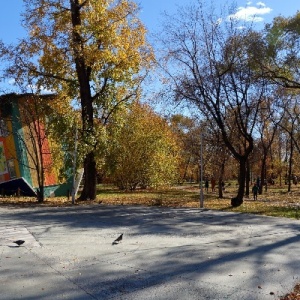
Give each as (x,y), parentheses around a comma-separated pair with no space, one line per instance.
(165,254)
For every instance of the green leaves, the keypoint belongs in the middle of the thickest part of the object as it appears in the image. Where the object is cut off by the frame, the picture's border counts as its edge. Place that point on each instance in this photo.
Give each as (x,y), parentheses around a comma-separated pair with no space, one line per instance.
(282,59)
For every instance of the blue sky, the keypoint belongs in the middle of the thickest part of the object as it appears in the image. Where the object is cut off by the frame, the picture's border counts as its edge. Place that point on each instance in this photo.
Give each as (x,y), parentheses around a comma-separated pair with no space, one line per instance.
(151,14)
(264,10)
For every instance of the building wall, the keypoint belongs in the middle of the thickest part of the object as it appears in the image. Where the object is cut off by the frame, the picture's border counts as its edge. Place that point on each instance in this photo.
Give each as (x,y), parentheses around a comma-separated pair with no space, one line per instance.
(13,163)
(19,138)
(17,150)
(8,163)
(3,166)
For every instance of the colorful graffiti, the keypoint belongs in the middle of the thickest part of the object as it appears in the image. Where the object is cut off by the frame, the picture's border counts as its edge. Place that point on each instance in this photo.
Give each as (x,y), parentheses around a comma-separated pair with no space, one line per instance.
(3,166)
(25,148)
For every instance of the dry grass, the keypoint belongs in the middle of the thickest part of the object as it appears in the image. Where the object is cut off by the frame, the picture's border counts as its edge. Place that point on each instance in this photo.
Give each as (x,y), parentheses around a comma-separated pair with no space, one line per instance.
(294,295)
(274,202)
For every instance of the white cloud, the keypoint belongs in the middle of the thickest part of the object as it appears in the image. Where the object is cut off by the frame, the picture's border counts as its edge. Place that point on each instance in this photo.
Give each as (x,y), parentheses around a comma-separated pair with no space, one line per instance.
(261,4)
(251,13)
(33,89)
(11,81)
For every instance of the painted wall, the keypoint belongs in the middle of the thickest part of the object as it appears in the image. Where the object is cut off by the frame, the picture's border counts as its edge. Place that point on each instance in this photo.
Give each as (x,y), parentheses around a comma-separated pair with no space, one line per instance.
(17,149)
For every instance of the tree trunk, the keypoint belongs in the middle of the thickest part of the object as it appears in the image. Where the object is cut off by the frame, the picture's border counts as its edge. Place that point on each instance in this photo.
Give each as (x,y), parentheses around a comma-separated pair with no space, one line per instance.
(185,170)
(40,172)
(238,200)
(222,170)
(40,194)
(41,189)
(90,178)
(247,179)
(262,174)
(290,164)
(83,73)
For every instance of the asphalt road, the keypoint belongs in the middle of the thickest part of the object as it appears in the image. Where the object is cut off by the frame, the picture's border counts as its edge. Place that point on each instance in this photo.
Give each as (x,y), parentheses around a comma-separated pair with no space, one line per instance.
(165,254)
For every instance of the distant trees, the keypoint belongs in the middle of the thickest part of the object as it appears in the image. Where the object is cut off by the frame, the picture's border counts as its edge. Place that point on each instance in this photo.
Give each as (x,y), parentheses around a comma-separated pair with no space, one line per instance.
(281,62)
(188,133)
(290,127)
(266,129)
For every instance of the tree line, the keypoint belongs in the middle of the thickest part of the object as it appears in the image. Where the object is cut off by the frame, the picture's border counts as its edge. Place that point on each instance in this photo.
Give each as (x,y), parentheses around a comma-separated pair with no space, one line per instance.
(243,82)
(93,55)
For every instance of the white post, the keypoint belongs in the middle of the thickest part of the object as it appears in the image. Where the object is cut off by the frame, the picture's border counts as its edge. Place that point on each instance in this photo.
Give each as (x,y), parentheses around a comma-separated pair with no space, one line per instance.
(201,170)
(74,167)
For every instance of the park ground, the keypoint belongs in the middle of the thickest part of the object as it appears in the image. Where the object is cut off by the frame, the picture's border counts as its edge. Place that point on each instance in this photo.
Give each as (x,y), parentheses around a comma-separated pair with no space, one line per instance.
(276,202)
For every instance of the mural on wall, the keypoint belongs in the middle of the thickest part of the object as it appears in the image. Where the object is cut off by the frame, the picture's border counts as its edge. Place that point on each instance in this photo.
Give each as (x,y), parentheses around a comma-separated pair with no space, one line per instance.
(3,166)
(25,149)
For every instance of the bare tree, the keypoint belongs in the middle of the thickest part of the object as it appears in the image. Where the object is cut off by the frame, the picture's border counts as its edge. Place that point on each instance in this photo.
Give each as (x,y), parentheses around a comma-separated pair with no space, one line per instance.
(267,126)
(290,124)
(209,61)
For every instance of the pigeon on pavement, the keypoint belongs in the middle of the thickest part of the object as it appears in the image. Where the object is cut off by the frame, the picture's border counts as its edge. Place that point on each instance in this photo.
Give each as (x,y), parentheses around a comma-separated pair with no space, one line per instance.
(118,239)
(19,242)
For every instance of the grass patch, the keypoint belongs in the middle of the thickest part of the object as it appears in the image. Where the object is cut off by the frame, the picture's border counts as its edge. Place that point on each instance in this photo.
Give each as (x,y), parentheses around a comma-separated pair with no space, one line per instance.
(274,202)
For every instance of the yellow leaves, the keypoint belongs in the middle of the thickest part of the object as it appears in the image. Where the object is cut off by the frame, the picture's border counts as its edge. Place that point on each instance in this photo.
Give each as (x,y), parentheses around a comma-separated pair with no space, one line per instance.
(111,40)
(144,149)
(115,37)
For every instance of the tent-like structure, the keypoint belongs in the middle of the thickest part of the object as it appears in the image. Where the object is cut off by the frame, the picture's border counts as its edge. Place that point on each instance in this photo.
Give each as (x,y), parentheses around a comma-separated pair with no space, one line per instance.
(17,186)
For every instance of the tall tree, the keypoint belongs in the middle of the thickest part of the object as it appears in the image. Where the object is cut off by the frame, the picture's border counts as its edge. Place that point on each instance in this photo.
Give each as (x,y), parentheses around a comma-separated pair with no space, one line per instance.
(214,71)
(93,51)
(290,124)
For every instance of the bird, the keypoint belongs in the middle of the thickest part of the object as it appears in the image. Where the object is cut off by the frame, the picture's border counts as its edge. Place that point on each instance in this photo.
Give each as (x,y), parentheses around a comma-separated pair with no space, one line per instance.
(118,239)
(19,242)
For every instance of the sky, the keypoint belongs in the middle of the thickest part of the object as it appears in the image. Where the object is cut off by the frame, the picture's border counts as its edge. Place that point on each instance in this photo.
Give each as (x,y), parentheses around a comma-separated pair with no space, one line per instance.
(151,13)
(260,11)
